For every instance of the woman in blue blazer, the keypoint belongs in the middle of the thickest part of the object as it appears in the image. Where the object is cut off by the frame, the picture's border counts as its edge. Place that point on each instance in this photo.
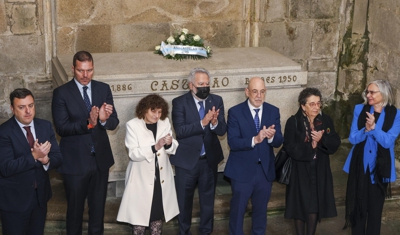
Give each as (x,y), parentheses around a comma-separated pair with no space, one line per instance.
(370,164)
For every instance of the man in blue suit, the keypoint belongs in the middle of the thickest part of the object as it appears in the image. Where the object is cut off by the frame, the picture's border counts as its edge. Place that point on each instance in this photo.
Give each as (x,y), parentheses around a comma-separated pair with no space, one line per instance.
(254,129)
(83,111)
(28,150)
(198,119)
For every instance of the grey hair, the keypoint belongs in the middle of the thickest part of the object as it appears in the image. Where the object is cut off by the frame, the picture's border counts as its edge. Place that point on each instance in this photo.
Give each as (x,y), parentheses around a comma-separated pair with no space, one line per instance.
(192,74)
(384,88)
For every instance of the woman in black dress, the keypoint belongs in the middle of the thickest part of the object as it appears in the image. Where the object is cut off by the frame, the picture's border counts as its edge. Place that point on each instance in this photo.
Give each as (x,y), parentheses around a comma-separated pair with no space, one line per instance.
(310,138)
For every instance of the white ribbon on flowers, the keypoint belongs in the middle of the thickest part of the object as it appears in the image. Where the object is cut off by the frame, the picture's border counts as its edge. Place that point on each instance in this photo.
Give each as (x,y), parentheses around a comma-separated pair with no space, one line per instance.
(168,49)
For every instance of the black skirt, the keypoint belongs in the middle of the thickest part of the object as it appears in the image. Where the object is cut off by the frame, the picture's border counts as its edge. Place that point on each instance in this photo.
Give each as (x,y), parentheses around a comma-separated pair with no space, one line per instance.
(314,193)
(157,211)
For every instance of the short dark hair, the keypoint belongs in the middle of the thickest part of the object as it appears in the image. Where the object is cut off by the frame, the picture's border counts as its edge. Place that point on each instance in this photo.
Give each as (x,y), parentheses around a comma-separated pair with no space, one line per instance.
(307,92)
(82,56)
(20,93)
(153,101)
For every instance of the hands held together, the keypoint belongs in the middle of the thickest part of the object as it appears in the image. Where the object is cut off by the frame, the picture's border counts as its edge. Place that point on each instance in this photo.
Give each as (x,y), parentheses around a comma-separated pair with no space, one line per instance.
(316,137)
(211,116)
(166,140)
(102,113)
(40,151)
(370,122)
(265,133)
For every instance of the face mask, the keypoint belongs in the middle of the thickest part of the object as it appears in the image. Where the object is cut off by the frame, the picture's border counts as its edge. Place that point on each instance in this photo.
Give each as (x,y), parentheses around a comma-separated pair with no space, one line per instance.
(203,92)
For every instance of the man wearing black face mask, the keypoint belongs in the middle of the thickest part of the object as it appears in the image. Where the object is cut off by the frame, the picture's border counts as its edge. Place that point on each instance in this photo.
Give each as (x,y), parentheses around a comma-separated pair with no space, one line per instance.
(198,119)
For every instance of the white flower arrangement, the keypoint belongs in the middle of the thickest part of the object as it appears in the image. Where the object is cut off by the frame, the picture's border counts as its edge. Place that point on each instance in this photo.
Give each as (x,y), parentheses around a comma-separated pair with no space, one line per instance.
(184,45)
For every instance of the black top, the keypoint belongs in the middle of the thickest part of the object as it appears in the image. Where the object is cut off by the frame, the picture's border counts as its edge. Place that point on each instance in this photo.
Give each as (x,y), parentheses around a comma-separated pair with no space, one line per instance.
(157,212)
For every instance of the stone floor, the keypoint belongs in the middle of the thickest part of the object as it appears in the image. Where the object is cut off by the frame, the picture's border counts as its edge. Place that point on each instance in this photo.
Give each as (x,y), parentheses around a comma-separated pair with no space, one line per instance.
(277,225)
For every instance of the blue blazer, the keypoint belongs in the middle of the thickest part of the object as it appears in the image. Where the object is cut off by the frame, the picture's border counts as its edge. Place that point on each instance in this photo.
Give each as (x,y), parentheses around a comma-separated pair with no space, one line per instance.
(243,158)
(19,170)
(386,139)
(190,135)
(70,119)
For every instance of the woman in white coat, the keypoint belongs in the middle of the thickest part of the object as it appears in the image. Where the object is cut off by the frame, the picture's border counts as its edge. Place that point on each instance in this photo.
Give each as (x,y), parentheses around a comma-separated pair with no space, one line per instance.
(149,194)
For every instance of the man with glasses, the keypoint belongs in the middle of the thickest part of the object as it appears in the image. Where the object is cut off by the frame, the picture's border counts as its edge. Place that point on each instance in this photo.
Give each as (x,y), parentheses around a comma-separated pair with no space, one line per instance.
(254,129)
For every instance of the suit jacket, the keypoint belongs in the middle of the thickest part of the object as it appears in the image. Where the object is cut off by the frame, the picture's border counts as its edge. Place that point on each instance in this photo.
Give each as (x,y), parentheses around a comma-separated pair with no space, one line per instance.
(70,119)
(18,169)
(243,158)
(191,135)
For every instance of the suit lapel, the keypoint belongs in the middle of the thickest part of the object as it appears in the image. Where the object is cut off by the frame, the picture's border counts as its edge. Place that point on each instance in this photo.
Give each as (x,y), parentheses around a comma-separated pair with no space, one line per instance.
(19,134)
(192,105)
(95,98)
(39,132)
(209,103)
(265,117)
(73,88)
(160,129)
(247,115)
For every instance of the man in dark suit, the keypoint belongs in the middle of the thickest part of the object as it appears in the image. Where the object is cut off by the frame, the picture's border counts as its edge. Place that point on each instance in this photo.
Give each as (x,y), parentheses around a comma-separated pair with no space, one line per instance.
(28,150)
(83,112)
(198,119)
(250,164)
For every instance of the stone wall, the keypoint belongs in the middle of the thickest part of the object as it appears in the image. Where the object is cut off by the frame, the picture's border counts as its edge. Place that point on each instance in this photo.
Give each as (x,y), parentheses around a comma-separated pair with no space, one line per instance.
(23,54)
(135,25)
(383,59)
(307,31)
(384,47)
(341,43)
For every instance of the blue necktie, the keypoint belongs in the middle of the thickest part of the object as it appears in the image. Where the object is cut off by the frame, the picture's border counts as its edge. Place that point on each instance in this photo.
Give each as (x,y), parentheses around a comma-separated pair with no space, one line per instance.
(88,106)
(86,99)
(201,114)
(257,120)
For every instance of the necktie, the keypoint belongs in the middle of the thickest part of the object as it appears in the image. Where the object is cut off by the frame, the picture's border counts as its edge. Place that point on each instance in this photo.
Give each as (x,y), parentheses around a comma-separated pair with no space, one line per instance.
(29,136)
(257,120)
(201,114)
(86,99)
(88,106)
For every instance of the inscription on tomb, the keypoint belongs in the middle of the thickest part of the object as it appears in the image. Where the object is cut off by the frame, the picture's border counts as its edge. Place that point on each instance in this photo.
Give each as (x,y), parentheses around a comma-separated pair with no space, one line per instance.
(126,87)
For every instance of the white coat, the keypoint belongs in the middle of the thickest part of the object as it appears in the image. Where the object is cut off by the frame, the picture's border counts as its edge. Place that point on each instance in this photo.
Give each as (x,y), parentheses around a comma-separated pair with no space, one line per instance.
(136,202)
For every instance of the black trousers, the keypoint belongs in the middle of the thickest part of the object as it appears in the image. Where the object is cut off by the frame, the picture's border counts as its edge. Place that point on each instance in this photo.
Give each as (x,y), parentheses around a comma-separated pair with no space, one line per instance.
(186,181)
(372,206)
(28,222)
(92,186)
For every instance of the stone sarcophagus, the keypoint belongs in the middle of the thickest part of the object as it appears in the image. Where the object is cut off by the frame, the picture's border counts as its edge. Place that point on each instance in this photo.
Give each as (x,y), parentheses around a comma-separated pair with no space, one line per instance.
(132,76)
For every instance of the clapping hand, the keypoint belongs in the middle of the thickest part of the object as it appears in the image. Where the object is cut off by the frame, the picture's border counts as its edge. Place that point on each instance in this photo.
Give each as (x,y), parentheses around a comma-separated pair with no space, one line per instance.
(40,151)
(270,132)
(210,117)
(93,116)
(370,122)
(214,120)
(105,112)
(265,133)
(316,137)
(168,139)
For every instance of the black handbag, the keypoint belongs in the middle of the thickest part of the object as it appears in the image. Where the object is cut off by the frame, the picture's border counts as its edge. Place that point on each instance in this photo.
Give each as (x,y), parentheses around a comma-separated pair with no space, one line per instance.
(283,166)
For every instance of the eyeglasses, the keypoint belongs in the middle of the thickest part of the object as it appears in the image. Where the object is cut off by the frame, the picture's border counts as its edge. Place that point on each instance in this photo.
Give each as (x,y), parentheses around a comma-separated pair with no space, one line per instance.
(313,104)
(370,92)
(256,92)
